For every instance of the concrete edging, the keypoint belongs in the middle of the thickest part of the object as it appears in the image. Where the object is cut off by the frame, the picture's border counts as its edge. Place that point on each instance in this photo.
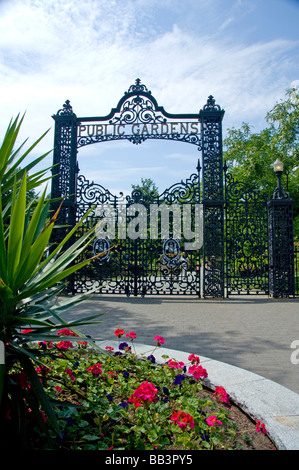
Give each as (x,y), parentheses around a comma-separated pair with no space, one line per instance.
(260,398)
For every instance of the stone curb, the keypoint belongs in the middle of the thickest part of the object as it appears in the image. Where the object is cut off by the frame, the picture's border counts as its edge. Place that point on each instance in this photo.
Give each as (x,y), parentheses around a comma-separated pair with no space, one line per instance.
(260,398)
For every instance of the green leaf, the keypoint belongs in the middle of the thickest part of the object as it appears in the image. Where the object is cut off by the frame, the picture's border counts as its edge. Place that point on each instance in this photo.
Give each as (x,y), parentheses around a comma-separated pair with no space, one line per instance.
(16,229)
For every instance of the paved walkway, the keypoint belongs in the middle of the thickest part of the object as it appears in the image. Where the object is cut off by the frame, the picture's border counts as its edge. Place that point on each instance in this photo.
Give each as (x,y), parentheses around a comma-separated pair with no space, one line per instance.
(251,332)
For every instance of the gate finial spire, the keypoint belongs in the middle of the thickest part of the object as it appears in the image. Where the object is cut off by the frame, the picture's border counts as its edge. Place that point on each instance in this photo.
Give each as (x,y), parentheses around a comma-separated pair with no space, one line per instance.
(138,87)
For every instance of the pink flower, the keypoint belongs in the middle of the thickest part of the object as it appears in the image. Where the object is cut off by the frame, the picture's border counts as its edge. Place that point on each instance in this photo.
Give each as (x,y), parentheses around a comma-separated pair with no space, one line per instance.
(109,348)
(111,374)
(95,369)
(119,332)
(260,427)
(193,359)
(131,335)
(212,420)
(58,389)
(145,394)
(221,394)
(64,345)
(159,339)
(175,365)
(182,419)
(69,372)
(66,332)
(198,372)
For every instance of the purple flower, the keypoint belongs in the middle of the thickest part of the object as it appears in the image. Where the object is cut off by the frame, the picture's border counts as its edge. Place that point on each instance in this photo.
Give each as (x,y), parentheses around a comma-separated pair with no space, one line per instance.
(122,346)
(179,379)
(123,404)
(126,374)
(152,359)
(70,421)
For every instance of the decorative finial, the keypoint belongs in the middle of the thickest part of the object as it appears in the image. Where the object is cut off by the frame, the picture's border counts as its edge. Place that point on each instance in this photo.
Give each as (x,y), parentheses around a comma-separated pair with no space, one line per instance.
(137,87)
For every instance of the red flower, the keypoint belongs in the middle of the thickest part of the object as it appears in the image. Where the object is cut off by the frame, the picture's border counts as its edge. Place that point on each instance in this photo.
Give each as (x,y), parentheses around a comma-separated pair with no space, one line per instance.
(182,419)
(221,394)
(131,335)
(64,345)
(70,374)
(22,380)
(260,427)
(66,332)
(175,365)
(96,369)
(212,420)
(159,340)
(145,393)
(194,359)
(198,372)
(119,332)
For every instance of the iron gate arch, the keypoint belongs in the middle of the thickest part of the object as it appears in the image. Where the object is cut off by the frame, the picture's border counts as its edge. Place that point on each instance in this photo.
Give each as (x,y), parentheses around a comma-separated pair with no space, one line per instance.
(131,266)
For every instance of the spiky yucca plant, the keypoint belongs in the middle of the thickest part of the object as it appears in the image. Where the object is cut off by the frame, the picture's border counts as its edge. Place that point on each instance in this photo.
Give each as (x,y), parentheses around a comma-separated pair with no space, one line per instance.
(31,277)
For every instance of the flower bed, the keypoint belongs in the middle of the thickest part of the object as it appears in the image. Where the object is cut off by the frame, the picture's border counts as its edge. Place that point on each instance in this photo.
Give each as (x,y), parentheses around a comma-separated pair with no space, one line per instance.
(116,400)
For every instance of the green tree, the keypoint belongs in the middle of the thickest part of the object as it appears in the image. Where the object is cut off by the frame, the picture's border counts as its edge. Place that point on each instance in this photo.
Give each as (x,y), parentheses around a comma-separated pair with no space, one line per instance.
(148,188)
(249,156)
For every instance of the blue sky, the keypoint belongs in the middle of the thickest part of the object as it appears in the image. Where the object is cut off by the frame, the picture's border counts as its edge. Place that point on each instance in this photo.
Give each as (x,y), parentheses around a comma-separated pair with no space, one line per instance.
(243,52)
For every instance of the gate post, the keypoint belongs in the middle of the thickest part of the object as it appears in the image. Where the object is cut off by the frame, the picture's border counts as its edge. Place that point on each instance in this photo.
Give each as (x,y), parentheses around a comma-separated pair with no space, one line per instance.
(213,202)
(64,176)
(281,242)
(64,169)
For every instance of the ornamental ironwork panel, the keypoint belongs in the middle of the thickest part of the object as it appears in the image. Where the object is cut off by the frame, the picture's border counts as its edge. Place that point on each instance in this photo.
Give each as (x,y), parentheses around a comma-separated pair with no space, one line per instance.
(246,218)
(212,161)
(137,263)
(281,247)
(136,118)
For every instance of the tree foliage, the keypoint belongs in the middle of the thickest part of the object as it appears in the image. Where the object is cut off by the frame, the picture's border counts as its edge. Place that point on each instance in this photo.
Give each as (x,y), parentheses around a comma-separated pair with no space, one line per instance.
(250,156)
(148,188)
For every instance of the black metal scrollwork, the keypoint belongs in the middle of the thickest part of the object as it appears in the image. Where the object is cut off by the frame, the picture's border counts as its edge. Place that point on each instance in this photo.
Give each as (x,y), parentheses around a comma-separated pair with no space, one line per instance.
(246,239)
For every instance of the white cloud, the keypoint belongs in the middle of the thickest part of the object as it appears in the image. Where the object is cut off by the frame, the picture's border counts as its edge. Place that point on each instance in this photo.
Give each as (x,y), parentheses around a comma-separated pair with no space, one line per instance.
(90,53)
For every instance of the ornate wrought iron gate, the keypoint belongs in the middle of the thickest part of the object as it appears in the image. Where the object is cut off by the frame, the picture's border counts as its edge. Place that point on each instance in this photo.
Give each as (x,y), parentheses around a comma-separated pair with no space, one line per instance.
(236,244)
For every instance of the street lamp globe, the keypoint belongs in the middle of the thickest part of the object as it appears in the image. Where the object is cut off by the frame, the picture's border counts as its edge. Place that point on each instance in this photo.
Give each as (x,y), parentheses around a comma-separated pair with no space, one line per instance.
(278,166)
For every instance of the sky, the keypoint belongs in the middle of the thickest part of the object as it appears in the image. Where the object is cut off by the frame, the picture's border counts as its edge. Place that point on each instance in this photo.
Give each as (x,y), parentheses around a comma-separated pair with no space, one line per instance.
(243,52)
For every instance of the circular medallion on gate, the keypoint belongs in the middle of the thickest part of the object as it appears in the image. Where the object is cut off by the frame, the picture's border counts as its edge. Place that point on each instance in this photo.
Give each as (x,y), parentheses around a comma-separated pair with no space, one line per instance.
(171,249)
(101,249)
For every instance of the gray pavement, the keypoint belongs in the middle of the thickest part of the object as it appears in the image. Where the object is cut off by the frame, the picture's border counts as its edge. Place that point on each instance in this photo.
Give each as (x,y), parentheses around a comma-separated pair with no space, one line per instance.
(250,332)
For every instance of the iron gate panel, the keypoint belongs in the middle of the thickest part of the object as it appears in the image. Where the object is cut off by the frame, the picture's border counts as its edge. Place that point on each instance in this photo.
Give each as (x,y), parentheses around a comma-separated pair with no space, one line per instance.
(142,265)
(247,265)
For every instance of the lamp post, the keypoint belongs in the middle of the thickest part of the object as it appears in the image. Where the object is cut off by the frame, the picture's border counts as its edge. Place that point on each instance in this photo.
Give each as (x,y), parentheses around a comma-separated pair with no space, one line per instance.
(281,242)
(278,168)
